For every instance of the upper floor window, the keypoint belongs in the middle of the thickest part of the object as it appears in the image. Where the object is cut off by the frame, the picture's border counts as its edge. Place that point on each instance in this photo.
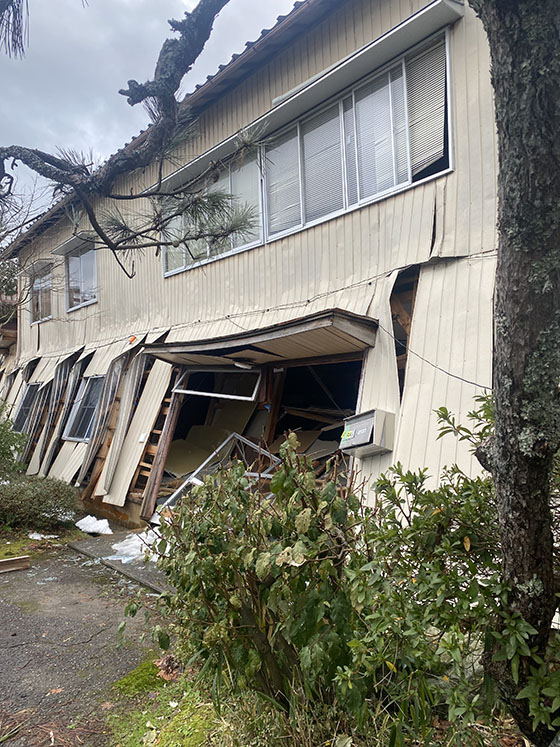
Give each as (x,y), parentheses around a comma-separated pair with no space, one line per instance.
(81,277)
(22,415)
(241,180)
(41,287)
(82,414)
(384,134)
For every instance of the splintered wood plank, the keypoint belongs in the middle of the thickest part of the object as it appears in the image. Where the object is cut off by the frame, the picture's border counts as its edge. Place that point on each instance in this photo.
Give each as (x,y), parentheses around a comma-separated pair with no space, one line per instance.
(401,314)
(15,564)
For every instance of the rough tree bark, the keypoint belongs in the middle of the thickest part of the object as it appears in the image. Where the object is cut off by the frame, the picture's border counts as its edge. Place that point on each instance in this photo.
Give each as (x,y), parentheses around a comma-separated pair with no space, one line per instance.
(524,45)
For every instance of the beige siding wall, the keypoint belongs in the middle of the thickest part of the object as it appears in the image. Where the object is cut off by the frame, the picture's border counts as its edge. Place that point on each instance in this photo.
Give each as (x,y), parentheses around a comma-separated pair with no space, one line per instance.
(449,363)
(447,225)
(250,288)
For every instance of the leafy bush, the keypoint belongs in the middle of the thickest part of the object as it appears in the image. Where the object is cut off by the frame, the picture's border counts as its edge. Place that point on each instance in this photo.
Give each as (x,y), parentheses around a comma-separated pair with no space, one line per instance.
(37,503)
(11,443)
(306,595)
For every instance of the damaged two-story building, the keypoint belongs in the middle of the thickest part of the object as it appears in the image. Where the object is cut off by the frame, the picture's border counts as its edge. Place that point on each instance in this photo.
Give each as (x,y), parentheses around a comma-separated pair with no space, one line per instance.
(359,303)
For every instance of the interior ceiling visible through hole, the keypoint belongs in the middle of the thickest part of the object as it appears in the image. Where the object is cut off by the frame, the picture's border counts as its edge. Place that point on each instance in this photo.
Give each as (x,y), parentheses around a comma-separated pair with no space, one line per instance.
(316,399)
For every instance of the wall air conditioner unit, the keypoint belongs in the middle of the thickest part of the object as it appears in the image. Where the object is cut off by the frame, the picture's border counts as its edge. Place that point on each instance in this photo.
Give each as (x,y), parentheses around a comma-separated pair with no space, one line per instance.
(371,432)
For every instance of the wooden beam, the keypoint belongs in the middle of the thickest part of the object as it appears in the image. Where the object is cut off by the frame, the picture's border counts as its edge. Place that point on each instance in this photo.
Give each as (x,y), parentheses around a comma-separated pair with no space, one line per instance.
(314,415)
(152,486)
(15,564)
(401,314)
(317,361)
(276,399)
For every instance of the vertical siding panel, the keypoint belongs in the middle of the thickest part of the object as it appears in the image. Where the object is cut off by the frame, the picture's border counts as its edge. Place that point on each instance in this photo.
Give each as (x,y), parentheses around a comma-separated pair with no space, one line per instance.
(338,253)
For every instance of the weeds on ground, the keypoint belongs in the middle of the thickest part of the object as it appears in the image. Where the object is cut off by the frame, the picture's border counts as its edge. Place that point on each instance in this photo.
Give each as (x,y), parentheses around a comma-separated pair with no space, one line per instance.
(14,542)
(149,710)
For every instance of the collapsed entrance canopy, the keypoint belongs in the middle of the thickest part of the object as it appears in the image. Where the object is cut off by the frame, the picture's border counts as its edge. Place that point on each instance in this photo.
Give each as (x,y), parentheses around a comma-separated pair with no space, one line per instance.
(330,333)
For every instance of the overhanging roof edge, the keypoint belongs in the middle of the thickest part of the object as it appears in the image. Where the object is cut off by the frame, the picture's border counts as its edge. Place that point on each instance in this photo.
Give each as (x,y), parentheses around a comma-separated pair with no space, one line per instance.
(363,329)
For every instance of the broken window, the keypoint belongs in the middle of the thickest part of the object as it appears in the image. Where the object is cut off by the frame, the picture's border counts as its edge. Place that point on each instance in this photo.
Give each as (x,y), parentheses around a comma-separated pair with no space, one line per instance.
(242,386)
(314,401)
(22,415)
(215,404)
(83,410)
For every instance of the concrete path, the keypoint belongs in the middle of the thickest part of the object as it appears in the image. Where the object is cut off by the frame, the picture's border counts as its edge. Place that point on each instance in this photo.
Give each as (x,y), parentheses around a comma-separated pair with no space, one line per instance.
(58,649)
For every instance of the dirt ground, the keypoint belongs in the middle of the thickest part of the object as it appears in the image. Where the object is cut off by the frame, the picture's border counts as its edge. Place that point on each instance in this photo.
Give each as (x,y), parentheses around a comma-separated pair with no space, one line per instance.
(58,649)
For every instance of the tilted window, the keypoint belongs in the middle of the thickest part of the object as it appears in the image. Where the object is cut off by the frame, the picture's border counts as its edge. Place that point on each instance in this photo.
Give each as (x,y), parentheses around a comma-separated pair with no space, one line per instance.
(81,277)
(241,180)
(22,415)
(41,287)
(82,414)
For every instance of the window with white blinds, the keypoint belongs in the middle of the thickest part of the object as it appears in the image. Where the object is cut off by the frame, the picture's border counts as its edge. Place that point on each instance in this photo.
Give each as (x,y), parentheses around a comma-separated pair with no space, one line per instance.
(384,134)
(425,76)
(283,183)
(322,164)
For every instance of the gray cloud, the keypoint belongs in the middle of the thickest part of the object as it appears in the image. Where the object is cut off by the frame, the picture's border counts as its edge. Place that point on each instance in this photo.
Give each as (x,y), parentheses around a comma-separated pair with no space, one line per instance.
(64,92)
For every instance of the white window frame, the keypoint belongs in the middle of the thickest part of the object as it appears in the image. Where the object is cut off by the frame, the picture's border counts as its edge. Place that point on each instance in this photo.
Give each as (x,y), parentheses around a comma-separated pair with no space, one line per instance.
(76,408)
(268,238)
(189,263)
(178,389)
(79,252)
(340,97)
(39,276)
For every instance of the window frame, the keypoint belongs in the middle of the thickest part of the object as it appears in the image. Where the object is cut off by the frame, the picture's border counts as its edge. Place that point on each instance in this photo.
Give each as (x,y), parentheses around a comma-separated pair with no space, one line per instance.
(33,389)
(79,252)
(443,35)
(180,389)
(76,409)
(41,274)
(259,241)
(439,36)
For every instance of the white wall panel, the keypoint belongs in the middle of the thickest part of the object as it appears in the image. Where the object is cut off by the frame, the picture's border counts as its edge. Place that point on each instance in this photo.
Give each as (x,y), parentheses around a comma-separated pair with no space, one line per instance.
(449,360)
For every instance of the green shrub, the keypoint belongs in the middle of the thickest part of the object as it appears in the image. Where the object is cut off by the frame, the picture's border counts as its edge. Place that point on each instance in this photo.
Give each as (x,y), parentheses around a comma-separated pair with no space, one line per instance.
(11,443)
(37,503)
(306,595)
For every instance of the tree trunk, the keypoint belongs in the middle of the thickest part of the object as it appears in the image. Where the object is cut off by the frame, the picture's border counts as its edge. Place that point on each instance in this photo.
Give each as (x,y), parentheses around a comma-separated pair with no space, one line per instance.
(525,53)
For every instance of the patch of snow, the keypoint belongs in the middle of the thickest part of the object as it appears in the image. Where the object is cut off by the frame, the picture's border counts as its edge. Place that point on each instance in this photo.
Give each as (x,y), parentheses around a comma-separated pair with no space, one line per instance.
(93,525)
(134,546)
(37,536)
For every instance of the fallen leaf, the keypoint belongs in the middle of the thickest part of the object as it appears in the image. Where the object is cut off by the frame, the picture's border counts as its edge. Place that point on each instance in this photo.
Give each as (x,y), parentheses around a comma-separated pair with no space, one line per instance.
(467,543)
(55,691)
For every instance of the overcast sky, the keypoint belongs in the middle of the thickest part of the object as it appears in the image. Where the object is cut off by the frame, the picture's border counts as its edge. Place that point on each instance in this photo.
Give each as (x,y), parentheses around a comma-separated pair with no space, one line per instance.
(64,92)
